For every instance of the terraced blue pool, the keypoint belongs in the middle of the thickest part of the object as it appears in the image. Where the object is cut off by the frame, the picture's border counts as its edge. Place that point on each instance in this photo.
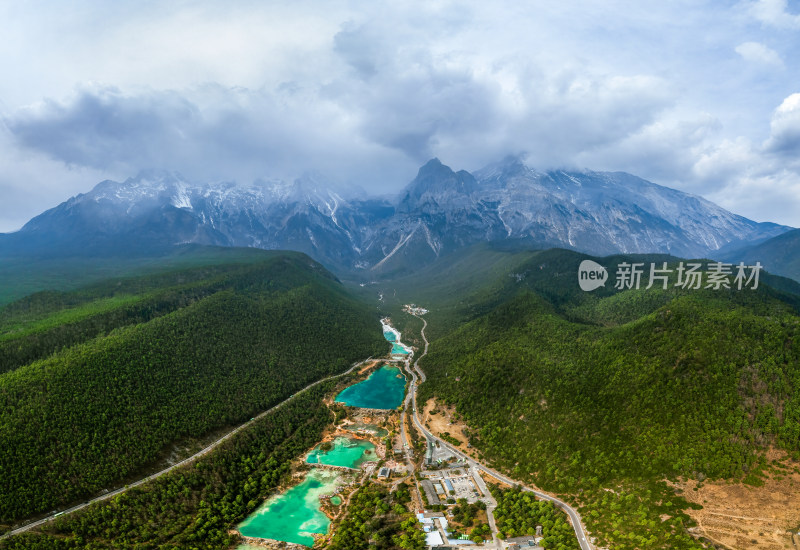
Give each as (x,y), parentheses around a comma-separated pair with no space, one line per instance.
(397,348)
(294,515)
(384,389)
(389,335)
(371,428)
(346,451)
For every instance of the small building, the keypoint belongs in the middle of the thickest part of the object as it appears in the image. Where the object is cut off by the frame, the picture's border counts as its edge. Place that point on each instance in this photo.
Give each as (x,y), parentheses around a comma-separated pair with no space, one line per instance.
(524,543)
(430,493)
(429,452)
(385,473)
(433,539)
(424,520)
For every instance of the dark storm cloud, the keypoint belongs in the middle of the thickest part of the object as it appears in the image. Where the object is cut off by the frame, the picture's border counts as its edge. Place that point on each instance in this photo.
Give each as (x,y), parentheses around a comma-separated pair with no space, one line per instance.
(405,111)
(423,104)
(210,132)
(104,129)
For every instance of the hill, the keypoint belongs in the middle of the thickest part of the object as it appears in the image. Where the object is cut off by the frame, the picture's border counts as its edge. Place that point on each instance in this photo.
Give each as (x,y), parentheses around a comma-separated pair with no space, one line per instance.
(603,396)
(25,274)
(780,254)
(105,382)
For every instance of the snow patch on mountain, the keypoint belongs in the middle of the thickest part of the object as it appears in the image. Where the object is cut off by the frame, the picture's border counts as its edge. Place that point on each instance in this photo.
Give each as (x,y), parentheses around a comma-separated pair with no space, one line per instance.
(440,211)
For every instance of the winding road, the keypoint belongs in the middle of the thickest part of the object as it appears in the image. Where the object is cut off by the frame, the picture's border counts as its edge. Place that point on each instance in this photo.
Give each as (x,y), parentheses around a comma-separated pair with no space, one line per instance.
(183,462)
(417,373)
(418,376)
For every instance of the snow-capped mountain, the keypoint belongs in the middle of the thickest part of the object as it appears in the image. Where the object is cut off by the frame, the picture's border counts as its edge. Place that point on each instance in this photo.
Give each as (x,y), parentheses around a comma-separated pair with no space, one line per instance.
(596,212)
(158,210)
(440,211)
(609,212)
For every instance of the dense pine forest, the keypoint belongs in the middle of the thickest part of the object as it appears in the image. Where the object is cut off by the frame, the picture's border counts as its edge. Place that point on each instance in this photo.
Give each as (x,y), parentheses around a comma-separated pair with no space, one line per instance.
(519,513)
(378,519)
(195,506)
(101,383)
(603,397)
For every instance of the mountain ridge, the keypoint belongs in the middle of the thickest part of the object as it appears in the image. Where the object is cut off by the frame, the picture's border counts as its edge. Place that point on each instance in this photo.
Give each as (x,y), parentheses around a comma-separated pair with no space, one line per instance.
(780,254)
(440,211)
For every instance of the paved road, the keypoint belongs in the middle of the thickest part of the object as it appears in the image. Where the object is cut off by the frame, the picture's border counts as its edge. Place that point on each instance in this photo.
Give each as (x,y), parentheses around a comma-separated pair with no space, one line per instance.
(574,516)
(183,462)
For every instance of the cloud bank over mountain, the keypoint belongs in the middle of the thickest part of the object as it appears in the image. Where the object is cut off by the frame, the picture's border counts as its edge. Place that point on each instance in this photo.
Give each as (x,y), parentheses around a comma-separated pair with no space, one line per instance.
(698,96)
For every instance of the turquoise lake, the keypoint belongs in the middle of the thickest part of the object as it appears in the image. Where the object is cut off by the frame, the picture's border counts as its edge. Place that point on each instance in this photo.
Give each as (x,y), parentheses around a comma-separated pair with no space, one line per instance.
(346,451)
(397,348)
(294,515)
(384,389)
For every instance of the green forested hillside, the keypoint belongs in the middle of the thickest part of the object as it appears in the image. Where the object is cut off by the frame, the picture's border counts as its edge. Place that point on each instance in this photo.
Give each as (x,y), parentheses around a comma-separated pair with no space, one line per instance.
(780,254)
(141,363)
(41,324)
(22,276)
(603,396)
(380,519)
(195,506)
(518,514)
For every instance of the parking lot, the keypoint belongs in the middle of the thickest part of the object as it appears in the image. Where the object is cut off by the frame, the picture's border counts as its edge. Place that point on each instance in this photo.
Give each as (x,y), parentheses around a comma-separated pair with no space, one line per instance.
(464,488)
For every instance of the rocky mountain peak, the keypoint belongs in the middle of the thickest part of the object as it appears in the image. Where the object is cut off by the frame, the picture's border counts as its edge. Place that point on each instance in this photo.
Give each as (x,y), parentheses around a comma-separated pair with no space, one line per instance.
(440,211)
(436,184)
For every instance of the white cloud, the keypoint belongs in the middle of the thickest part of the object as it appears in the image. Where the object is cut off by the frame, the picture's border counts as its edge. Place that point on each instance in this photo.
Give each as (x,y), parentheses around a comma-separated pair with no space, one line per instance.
(784,137)
(775,13)
(367,92)
(755,52)
(31,182)
(773,197)
(666,150)
(758,181)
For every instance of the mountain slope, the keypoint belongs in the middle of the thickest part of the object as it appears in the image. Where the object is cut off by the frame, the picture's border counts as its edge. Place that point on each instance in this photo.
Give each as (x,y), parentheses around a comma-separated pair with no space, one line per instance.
(780,255)
(440,211)
(602,396)
(198,506)
(21,276)
(576,208)
(147,363)
(155,211)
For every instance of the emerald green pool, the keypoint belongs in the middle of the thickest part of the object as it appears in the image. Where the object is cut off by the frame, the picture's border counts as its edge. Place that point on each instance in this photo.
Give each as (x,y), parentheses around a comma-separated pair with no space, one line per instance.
(336,501)
(346,451)
(294,515)
(384,389)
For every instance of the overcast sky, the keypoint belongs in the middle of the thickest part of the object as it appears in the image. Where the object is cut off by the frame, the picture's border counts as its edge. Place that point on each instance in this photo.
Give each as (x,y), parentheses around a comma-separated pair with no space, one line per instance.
(700,96)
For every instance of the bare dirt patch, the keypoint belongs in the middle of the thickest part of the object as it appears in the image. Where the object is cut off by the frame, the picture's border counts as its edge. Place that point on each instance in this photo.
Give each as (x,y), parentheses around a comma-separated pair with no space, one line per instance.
(368,366)
(494,481)
(443,422)
(740,516)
